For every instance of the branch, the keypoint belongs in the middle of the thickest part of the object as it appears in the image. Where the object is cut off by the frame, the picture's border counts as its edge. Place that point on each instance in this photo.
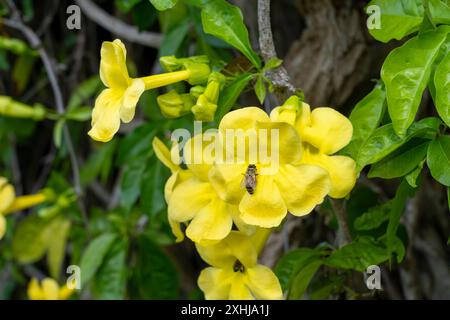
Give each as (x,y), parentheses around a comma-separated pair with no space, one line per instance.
(283,87)
(340,211)
(119,28)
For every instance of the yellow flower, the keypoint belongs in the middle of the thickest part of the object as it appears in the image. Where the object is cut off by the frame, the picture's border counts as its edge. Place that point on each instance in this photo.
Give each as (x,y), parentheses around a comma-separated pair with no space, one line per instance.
(48,289)
(291,186)
(192,199)
(234,273)
(174,105)
(324,131)
(10,203)
(118,102)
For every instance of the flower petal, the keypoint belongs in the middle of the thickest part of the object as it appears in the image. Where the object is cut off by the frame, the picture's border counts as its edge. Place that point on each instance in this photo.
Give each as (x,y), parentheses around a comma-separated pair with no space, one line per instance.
(50,289)
(328,130)
(263,283)
(164,155)
(227,180)
(130,99)
(245,118)
(113,69)
(239,289)
(7,195)
(342,171)
(199,155)
(212,222)
(188,198)
(2,226)
(303,187)
(176,230)
(65,293)
(265,207)
(215,283)
(34,290)
(105,116)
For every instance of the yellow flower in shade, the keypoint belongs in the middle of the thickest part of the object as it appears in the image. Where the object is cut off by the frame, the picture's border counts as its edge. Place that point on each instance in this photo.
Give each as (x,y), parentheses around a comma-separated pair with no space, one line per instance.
(292,186)
(118,102)
(193,200)
(324,131)
(234,273)
(48,289)
(9,203)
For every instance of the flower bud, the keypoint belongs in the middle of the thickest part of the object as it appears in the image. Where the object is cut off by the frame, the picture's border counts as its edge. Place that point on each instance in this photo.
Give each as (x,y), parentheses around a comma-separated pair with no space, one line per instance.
(174,105)
(15,109)
(206,105)
(197,65)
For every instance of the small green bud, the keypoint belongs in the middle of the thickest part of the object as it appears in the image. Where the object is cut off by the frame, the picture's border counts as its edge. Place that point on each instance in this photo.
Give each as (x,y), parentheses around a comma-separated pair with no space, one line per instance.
(196,91)
(174,105)
(199,73)
(204,110)
(15,109)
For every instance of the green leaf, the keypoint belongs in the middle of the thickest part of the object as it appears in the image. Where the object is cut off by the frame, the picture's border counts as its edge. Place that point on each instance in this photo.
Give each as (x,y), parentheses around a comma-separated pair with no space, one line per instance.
(155,276)
(22,71)
(58,132)
(273,63)
(260,89)
(302,280)
(290,265)
(412,177)
(94,254)
(174,38)
(373,218)
(404,191)
(153,183)
(130,185)
(126,5)
(57,246)
(162,5)
(111,279)
(84,91)
(384,140)
(225,21)
(439,11)
(358,255)
(231,93)
(400,162)
(98,163)
(398,18)
(31,239)
(79,113)
(438,159)
(365,118)
(406,72)
(442,87)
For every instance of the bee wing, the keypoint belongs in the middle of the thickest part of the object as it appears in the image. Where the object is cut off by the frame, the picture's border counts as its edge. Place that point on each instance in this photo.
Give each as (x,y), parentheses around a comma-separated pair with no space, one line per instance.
(243,182)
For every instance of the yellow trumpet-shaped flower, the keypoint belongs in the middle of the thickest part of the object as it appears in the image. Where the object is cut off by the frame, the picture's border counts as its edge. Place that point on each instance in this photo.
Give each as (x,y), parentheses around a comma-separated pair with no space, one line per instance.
(48,289)
(118,102)
(281,184)
(10,203)
(323,131)
(234,273)
(193,200)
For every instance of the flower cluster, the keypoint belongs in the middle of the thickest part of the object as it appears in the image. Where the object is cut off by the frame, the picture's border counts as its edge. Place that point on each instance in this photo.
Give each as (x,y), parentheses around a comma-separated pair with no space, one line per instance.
(210,195)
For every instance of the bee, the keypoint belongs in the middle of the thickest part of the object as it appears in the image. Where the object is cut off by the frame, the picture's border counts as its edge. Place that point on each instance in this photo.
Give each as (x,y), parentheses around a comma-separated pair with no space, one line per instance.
(249,180)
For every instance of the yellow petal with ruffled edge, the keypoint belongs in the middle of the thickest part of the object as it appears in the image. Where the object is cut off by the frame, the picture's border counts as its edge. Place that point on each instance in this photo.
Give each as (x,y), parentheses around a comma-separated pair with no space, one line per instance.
(212,222)
(265,207)
(2,226)
(263,283)
(215,283)
(113,69)
(303,187)
(199,154)
(239,289)
(188,198)
(227,180)
(224,253)
(342,170)
(34,290)
(7,194)
(106,116)
(164,155)
(328,130)
(130,99)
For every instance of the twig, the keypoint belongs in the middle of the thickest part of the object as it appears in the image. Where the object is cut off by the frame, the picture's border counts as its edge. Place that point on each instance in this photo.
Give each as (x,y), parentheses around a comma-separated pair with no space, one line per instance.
(17,23)
(339,209)
(283,88)
(121,29)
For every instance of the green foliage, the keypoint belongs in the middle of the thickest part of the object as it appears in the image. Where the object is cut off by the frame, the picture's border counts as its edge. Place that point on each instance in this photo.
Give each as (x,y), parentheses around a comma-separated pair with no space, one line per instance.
(438,159)
(442,85)
(163,4)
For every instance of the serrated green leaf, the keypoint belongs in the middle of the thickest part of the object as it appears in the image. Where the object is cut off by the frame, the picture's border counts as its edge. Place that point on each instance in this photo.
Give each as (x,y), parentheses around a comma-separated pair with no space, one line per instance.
(406,72)
(260,89)
(438,159)
(384,140)
(442,87)
(225,21)
(94,254)
(365,118)
(400,162)
(162,5)
(398,18)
